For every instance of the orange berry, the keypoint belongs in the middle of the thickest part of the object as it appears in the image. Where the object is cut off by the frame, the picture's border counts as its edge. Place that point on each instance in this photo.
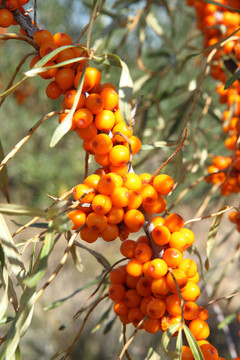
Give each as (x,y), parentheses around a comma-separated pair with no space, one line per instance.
(132,298)
(102,144)
(143,286)
(160,287)
(96,222)
(118,117)
(174,222)
(180,277)
(110,233)
(127,248)
(110,98)
(41,36)
(209,352)
(189,235)
(120,170)
(172,257)
(132,181)
(62,39)
(158,206)
(46,48)
(78,218)
(109,85)
(190,310)
(149,194)
(94,103)
(115,215)
(119,155)
(106,185)
(88,235)
(195,278)
(161,235)
(101,204)
(92,78)
(157,268)
(64,78)
(199,329)
(104,120)
(135,144)
(131,281)
(144,303)
(118,275)
(173,304)
(203,313)
(124,130)
(190,292)
(158,221)
(116,292)
(151,325)
(143,252)
(186,353)
(34,60)
(120,197)
(12,4)
(135,315)
(65,55)
(134,200)
(79,190)
(134,219)
(92,181)
(48,74)
(70,97)
(134,267)
(188,266)
(178,241)
(156,308)
(6,18)
(103,159)
(88,133)
(82,118)
(145,177)
(163,184)
(120,308)
(62,117)
(53,91)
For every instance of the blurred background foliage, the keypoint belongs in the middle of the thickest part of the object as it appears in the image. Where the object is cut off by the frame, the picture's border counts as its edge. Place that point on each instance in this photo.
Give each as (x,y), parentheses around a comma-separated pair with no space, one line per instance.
(153,38)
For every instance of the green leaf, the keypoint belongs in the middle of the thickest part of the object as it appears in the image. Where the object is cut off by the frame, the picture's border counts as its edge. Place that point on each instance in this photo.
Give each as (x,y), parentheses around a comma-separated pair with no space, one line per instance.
(166,337)
(66,124)
(77,258)
(152,21)
(221,5)
(109,326)
(193,344)
(90,27)
(40,266)
(3,176)
(228,320)
(100,258)
(4,283)
(56,208)
(179,344)
(212,236)
(101,320)
(152,355)
(232,79)
(6,320)
(15,209)
(62,223)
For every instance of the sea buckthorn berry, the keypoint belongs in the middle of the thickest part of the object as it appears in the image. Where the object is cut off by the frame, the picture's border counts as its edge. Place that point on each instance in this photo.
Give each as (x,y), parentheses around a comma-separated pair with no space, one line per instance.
(156,308)
(186,353)
(94,103)
(160,286)
(203,313)
(41,36)
(136,144)
(134,219)
(104,120)
(92,78)
(199,329)
(158,221)
(134,267)
(102,144)
(116,292)
(135,200)
(163,184)
(174,222)
(124,130)
(96,222)
(119,155)
(209,352)
(82,118)
(120,197)
(143,287)
(120,170)
(189,235)
(101,159)
(161,235)
(151,325)
(78,218)
(173,304)
(143,240)
(79,191)
(88,133)
(135,315)
(92,181)
(46,48)
(11,4)
(195,279)
(132,181)
(131,281)
(190,310)
(115,215)
(106,185)
(157,206)
(64,78)
(132,298)
(165,322)
(34,60)
(144,303)
(49,74)
(172,257)
(110,98)
(110,233)
(128,247)
(62,117)
(62,39)
(6,18)
(180,277)
(143,252)
(149,194)
(190,292)
(145,177)
(65,55)
(118,275)
(109,86)
(118,117)
(70,97)
(53,91)
(178,241)
(101,204)
(188,266)
(157,268)
(88,235)
(120,308)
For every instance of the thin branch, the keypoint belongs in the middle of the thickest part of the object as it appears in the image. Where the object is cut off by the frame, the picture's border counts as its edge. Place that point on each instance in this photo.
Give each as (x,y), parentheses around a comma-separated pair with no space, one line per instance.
(15,36)
(209,216)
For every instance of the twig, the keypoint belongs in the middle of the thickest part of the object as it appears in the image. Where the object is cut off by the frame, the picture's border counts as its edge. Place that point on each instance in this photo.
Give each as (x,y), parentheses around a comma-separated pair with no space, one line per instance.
(209,216)
(31,240)
(86,164)
(35,13)
(15,36)
(207,200)
(124,341)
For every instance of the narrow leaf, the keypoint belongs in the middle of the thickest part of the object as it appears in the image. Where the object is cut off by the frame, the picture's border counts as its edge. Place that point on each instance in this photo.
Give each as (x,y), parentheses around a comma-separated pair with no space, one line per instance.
(92,18)
(15,209)
(77,258)
(40,266)
(4,283)
(221,5)
(3,176)
(6,320)
(179,345)
(212,236)
(166,337)
(100,258)
(232,79)
(109,326)
(193,344)
(62,223)
(101,320)
(228,320)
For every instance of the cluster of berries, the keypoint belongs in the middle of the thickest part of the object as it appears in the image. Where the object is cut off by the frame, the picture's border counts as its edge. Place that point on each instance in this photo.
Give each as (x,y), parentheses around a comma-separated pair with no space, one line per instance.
(216,23)
(234,217)
(6,16)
